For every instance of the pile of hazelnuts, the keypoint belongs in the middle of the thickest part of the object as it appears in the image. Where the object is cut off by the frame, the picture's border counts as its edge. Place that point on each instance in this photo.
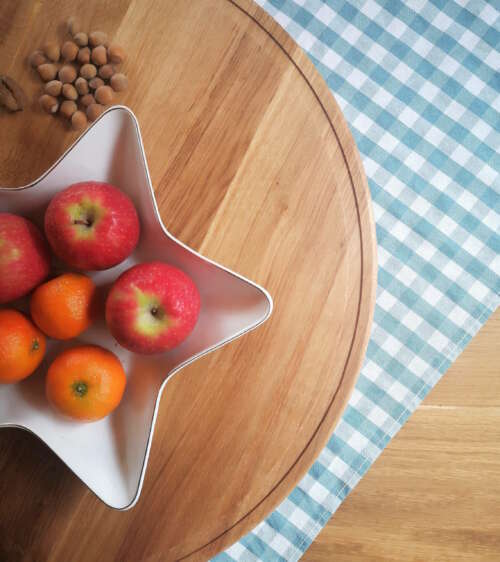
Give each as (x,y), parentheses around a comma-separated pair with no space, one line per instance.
(81,84)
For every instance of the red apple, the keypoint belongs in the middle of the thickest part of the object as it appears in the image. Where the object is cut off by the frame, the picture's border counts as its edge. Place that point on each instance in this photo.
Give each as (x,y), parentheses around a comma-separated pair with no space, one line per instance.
(92,225)
(24,257)
(152,307)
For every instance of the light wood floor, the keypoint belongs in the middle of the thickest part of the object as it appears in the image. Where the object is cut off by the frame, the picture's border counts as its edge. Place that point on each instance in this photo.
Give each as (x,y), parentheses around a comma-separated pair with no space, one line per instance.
(434,493)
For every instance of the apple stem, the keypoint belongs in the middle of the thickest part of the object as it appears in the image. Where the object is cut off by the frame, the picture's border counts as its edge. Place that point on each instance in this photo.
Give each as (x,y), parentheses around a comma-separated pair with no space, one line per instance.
(86,222)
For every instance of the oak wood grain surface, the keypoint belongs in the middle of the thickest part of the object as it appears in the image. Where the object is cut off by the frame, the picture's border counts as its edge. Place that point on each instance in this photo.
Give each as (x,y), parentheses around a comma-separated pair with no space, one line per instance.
(253,165)
(433,495)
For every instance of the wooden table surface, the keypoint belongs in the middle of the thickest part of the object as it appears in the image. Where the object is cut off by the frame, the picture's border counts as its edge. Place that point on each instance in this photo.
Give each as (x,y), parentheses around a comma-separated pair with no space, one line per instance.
(254,166)
(434,493)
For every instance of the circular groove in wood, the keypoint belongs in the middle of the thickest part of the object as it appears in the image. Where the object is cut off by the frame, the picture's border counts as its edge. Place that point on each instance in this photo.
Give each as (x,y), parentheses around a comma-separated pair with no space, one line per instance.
(239,4)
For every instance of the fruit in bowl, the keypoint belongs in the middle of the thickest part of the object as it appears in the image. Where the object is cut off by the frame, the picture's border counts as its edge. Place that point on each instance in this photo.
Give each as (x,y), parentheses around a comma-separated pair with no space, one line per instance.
(65,306)
(24,257)
(22,346)
(85,383)
(152,307)
(92,225)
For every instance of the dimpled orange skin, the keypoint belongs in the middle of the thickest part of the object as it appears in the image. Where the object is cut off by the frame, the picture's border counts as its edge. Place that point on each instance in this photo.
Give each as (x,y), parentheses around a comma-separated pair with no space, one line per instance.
(22,346)
(85,383)
(64,307)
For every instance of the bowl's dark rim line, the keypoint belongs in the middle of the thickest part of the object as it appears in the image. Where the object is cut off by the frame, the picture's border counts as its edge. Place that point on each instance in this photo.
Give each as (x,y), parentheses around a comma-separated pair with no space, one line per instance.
(170,374)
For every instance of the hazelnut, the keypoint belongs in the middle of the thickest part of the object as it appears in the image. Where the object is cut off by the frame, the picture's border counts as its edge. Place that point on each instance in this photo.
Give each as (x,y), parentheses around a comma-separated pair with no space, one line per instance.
(67,74)
(87,100)
(37,58)
(81,39)
(78,120)
(88,71)
(104,95)
(84,55)
(97,38)
(52,51)
(69,92)
(49,103)
(106,71)
(82,86)
(96,83)
(99,55)
(69,51)
(47,71)
(53,88)
(68,107)
(116,54)
(74,25)
(94,110)
(119,82)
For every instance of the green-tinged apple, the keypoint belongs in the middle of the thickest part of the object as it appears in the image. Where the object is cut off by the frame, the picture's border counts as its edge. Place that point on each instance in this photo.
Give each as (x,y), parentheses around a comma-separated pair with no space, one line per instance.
(152,307)
(92,225)
(24,257)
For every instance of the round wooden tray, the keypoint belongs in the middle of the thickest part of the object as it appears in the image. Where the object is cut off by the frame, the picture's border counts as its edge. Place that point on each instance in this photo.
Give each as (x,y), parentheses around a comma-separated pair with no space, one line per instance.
(253,166)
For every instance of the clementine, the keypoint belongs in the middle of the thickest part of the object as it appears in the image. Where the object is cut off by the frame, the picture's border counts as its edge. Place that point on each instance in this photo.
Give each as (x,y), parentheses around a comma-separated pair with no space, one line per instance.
(85,383)
(64,306)
(22,346)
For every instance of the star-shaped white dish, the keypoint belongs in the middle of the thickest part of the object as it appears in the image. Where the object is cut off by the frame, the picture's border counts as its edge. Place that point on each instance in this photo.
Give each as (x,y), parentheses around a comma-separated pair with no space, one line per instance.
(110,456)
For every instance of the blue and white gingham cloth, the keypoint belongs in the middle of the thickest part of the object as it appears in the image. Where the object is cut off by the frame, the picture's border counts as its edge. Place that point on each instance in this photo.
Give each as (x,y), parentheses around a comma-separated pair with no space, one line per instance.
(419,84)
